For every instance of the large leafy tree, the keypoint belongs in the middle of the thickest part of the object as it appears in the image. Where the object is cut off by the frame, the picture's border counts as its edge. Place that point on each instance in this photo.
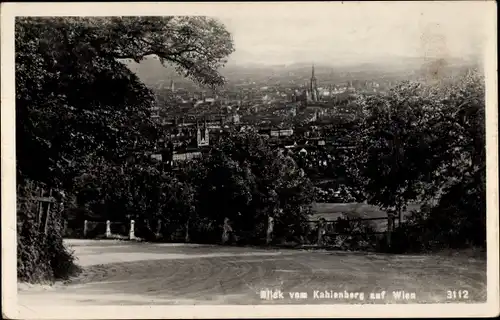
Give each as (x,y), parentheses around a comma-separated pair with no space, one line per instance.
(248,182)
(76,102)
(227,189)
(394,145)
(459,184)
(426,144)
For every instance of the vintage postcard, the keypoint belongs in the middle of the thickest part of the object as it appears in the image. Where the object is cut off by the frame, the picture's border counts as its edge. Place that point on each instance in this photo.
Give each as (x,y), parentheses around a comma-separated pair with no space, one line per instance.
(257,160)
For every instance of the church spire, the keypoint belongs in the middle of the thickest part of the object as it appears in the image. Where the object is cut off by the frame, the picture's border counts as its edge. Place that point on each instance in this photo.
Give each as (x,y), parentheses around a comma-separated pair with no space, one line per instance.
(313,86)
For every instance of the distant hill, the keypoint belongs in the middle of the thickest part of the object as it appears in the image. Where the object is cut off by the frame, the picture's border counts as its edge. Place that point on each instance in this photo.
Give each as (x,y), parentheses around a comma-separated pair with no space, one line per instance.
(155,75)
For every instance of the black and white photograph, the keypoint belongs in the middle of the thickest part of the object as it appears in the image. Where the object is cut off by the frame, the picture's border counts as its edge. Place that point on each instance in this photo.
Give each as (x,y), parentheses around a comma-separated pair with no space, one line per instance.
(214,160)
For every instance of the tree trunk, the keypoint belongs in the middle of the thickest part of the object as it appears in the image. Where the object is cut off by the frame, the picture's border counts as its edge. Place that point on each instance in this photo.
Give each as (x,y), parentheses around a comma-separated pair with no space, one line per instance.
(85,228)
(399,212)
(321,231)
(390,228)
(158,229)
(151,233)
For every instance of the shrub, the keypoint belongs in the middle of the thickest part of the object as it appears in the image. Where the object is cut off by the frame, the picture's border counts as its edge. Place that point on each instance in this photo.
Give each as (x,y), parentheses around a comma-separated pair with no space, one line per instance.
(291,227)
(40,257)
(446,226)
(205,231)
(95,229)
(144,230)
(32,259)
(62,261)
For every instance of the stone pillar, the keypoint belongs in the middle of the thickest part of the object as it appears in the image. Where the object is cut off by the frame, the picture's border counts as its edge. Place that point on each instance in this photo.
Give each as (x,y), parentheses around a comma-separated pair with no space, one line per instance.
(270,228)
(108,229)
(225,231)
(321,231)
(85,228)
(158,229)
(186,238)
(131,234)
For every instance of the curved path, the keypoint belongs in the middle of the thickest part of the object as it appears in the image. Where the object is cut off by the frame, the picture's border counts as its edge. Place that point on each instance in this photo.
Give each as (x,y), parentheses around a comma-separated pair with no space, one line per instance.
(129,273)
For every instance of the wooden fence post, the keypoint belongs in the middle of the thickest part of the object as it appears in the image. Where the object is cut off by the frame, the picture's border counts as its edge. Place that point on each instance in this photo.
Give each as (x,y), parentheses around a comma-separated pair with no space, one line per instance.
(47,214)
(270,229)
(43,215)
(108,229)
(85,228)
(131,234)
(40,208)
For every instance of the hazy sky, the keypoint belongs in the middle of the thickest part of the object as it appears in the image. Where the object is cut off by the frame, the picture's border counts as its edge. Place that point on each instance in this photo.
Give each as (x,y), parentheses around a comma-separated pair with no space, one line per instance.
(353,32)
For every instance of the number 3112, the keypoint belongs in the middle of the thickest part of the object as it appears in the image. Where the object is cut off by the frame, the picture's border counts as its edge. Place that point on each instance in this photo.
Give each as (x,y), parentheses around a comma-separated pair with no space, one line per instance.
(457,294)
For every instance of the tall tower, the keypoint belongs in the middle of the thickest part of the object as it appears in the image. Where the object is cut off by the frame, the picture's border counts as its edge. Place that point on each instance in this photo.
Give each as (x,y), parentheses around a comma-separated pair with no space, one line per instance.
(314,86)
(172,86)
(202,134)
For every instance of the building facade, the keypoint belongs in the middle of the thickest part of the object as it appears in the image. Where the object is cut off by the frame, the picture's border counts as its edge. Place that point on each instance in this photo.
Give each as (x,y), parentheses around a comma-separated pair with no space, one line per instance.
(202,135)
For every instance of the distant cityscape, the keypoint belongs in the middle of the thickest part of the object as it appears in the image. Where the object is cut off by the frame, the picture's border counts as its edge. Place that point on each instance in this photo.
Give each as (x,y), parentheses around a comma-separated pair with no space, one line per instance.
(290,113)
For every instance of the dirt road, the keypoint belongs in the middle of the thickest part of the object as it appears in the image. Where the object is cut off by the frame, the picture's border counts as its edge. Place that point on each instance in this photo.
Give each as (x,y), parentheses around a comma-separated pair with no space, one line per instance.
(129,273)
